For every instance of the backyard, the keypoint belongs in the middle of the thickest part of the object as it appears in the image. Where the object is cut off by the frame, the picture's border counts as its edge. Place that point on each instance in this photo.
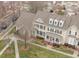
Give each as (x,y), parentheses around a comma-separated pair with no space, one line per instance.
(3,43)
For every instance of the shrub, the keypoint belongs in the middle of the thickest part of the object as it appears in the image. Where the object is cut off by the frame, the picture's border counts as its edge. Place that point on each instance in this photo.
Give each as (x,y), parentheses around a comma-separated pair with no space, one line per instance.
(38,37)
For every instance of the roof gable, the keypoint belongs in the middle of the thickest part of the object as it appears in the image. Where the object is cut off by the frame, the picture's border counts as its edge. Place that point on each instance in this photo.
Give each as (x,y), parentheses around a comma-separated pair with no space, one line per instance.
(39,20)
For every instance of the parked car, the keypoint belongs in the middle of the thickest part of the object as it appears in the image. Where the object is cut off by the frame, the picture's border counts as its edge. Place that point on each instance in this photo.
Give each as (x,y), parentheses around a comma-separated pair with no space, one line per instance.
(3,26)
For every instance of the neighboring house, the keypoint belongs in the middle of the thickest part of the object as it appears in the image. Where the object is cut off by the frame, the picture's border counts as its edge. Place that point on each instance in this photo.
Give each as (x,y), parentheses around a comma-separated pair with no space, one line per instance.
(73,31)
(24,23)
(54,28)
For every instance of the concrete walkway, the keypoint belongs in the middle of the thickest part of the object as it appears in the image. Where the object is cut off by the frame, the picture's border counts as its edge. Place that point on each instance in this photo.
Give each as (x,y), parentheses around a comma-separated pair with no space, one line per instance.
(53,50)
(3,50)
(16,47)
(7,32)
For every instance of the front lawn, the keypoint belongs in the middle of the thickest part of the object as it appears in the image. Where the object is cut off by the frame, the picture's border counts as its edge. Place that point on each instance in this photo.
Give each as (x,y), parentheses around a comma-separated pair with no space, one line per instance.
(61,48)
(13,30)
(64,49)
(36,52)
(39,41)
(3,43)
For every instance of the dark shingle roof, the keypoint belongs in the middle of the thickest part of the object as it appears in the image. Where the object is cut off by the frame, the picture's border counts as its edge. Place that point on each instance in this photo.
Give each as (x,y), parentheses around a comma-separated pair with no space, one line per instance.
(25,20)
(45,16)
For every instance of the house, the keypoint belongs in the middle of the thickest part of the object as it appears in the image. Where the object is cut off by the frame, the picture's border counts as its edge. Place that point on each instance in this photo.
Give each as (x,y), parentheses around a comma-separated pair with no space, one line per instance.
(51,26)
(73,31)
(24,23)
(54,28)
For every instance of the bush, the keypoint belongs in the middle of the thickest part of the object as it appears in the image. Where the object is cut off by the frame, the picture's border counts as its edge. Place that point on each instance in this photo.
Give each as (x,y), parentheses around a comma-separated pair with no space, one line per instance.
(70,46)
(57,45)
(66,44)
(38,37)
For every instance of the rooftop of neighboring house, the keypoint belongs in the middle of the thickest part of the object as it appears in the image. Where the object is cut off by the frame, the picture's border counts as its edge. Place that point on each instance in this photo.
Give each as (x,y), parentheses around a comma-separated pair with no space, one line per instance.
(75,20)
(25,20)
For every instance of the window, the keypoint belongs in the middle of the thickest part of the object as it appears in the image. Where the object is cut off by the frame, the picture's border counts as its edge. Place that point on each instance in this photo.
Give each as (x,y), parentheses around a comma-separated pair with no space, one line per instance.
(41,27)
(55,22)
(51,30)
(75,33)
(48,29)
(78,43)
(44,27)
(69,32)
(37,25)
(41,33)
(57,40)
(60,32)
(51,21)
(47,37)
(61,23)
(37,32)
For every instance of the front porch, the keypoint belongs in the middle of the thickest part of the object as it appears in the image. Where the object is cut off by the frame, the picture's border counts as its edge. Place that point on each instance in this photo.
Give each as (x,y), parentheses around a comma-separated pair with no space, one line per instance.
(54,39)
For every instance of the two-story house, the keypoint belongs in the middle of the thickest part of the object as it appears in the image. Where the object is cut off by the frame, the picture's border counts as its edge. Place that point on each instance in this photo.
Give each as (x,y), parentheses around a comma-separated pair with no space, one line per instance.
(51,27)
(54,28)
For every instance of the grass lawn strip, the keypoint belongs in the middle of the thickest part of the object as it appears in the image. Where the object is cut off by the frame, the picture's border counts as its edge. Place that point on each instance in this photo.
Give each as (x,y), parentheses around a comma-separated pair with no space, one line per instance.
(37,52)
(9,53)
(3,43)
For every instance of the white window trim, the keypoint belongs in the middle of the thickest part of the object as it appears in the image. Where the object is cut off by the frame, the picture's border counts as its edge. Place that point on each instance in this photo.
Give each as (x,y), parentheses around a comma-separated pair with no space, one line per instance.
(62,22)
(51,20)
(56,22)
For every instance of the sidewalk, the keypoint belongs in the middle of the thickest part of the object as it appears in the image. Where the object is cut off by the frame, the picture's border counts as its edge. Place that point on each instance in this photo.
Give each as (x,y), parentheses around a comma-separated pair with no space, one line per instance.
(16,47)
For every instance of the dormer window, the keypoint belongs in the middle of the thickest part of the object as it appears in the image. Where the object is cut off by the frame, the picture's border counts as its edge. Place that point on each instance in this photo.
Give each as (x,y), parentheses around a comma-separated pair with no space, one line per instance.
(61,23)
(51,21)
(69,32)
(55,22)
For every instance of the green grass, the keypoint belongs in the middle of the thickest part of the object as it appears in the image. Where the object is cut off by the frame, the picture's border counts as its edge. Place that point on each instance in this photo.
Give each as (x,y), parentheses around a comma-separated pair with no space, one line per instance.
(13,30)
(37,52)
(9,52)
(39,41)
(3,43)
(64,49)
(61,48)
